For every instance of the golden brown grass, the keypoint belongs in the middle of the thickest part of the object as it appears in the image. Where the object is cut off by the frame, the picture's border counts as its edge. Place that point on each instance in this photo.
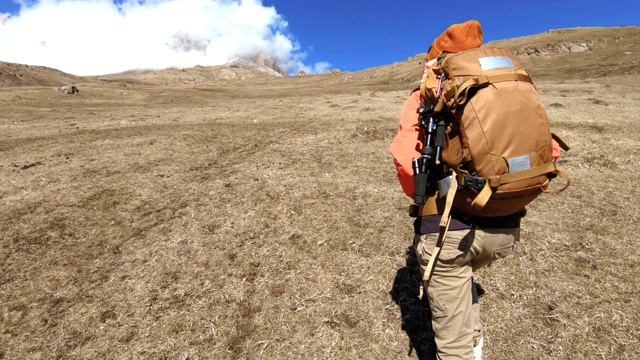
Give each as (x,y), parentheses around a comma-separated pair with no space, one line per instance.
(263,220)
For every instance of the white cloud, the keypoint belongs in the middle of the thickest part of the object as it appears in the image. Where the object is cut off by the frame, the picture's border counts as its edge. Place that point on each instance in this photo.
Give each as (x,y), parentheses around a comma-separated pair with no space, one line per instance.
(96,37)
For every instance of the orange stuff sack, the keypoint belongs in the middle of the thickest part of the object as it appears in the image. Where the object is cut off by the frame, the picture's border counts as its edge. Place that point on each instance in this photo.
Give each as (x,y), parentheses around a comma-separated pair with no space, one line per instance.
(498,140)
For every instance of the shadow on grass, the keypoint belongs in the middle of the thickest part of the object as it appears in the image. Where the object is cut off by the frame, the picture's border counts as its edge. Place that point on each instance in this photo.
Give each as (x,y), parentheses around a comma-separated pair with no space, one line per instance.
(416,314)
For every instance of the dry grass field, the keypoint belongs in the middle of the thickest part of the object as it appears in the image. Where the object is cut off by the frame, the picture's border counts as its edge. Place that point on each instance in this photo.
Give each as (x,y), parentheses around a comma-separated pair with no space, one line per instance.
(218,213)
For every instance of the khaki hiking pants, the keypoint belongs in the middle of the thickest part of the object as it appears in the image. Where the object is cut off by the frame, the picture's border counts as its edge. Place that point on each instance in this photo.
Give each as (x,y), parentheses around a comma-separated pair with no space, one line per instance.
(454,307)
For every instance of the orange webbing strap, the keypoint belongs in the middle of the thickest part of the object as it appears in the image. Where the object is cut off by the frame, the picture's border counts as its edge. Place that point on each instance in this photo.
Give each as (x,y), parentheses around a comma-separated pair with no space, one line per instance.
(494,181)
(444,227)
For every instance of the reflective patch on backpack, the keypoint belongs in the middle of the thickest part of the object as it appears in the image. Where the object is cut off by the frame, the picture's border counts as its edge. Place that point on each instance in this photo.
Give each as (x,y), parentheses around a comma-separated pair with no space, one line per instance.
(495,62)
(519,163)
(444,185)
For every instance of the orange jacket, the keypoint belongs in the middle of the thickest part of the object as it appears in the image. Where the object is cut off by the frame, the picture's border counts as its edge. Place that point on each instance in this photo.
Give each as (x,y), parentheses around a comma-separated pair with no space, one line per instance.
(407,144)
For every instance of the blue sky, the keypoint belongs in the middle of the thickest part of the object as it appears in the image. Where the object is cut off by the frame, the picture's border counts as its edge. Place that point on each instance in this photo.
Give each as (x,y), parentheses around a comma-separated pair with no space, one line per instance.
(358,34)
(314,36)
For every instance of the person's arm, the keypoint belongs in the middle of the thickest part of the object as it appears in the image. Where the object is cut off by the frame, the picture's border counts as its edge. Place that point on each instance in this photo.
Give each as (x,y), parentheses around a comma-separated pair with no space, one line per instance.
(555,149)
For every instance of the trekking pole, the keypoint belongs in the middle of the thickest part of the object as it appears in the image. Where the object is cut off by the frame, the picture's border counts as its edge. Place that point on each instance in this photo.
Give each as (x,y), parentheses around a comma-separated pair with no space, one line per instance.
(422,165)
(441,128)
(432,148)
(432,152)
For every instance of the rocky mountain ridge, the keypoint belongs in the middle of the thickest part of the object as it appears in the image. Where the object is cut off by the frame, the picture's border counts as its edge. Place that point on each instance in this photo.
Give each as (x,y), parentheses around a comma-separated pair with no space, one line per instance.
(273,69)
(575,53)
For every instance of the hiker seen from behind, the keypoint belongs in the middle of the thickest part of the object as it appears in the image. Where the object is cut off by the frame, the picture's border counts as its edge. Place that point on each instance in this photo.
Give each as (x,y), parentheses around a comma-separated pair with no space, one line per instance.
(473,149)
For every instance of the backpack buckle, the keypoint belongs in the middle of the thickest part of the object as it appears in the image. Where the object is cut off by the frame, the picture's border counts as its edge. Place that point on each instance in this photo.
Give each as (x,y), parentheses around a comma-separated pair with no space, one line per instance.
(474,182)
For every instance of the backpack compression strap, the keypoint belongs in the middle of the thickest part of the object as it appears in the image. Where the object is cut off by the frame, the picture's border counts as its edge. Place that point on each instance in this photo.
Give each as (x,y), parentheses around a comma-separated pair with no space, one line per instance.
(494,181)
(459,93)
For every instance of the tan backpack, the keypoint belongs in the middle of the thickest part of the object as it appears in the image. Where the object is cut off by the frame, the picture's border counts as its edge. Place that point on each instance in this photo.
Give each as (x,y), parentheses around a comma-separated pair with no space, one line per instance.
(498,139)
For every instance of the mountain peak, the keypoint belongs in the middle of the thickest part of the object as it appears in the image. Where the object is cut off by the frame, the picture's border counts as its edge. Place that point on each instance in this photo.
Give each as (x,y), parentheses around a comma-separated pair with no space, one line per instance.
(260,62)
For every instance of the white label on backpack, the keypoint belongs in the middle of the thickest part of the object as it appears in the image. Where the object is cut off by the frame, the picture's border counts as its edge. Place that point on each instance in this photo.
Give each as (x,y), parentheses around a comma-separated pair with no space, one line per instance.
(519,163)
(495,62)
